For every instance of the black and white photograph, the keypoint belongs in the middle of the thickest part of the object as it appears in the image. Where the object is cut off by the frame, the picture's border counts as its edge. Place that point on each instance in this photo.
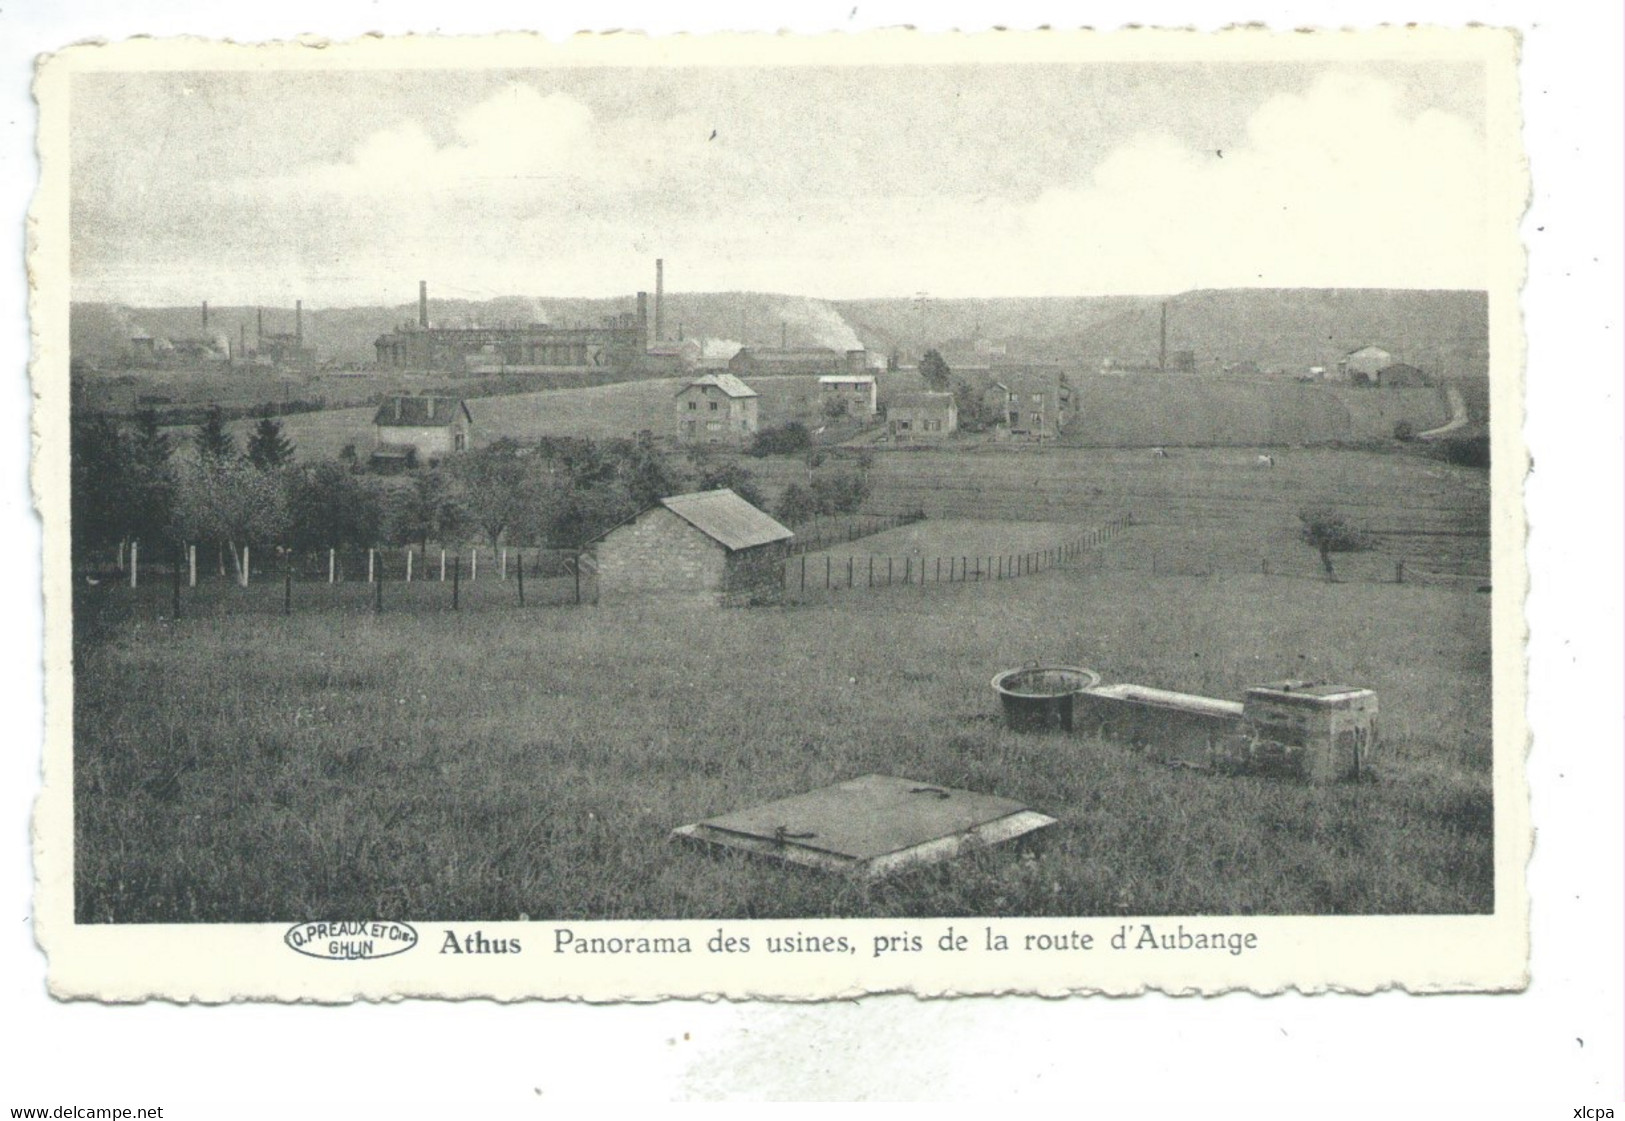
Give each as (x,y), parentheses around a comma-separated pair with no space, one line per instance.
(1018,480)
(740,553)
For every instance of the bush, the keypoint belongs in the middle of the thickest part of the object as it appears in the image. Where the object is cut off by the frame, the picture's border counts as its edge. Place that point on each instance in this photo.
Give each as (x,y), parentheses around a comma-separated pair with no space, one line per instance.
(1404,431)
(785,439)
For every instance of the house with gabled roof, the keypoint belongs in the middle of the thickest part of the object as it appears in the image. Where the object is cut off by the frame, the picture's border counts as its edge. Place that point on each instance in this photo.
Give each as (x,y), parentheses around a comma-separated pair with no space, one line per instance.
(712,547)
(717,409)
(411,430)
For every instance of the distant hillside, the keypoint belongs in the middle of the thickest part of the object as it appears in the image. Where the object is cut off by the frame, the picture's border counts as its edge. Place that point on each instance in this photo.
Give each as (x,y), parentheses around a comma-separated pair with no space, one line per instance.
(1443,332)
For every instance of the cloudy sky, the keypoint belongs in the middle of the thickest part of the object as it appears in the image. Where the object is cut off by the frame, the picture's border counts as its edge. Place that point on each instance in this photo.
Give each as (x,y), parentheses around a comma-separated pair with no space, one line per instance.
(1030,180)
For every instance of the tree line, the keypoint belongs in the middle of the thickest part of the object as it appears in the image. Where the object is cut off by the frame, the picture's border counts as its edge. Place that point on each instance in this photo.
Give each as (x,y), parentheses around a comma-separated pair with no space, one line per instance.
(132,481)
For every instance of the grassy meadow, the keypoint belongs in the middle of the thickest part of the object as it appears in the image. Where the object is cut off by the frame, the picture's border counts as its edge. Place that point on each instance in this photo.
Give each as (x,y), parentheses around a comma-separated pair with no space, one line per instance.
(504,763)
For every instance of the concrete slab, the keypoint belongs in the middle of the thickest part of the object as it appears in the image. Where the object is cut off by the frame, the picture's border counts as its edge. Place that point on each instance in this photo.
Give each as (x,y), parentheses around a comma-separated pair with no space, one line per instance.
(871,826)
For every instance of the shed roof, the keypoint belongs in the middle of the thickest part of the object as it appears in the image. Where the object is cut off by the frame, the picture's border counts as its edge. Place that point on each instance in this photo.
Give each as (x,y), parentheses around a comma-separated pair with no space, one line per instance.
(726,518)
(728,383)
(420,412)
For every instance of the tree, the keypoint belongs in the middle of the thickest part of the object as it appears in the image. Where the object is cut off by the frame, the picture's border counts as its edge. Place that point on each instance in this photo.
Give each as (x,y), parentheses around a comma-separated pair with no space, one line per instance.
(230,503)
(492,480)
(268,448)
(431,510)
(796,505)
(730,476)
(213,441)
(934,372)
(1327,532)
(121,484)
(329,507)
(840,492)
(785,439)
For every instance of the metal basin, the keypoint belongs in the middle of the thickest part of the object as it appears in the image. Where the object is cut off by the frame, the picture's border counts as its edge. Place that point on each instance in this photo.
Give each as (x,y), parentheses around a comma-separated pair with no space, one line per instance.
(1039,698)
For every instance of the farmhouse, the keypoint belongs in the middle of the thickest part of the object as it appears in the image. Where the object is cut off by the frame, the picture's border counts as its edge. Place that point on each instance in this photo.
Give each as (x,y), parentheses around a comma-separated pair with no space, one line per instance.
(1030,401)
(921,416)
(411,430)
(856,391)
(1360,366)
(716,408)
(712,547)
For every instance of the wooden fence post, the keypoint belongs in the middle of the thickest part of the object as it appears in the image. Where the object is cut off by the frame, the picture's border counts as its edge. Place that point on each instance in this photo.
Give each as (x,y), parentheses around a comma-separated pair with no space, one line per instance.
(378,593)
(849,571)
(442,566)
(332,565)
(135,549)
(245,566)
(828,560)
(474,563)
(121,556)
(871,570)
(888,572)
(503,573)
(369,566)
(803,571)
(191,566)
(1399,571)
(456,573)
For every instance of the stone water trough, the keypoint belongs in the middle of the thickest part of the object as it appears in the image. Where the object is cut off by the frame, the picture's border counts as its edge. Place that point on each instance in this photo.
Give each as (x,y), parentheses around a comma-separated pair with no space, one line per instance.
(1311,730)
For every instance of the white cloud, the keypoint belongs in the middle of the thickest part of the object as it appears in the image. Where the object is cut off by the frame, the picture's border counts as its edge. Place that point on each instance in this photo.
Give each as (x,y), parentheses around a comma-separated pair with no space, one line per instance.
(532,192)
(1333,187)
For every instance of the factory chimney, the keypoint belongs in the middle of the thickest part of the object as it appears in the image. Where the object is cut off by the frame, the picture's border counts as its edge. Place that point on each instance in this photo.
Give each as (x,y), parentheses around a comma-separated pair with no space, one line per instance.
(1162,347)
(423,304)
(205,317)
(660,297)
(643,318)
(299,322)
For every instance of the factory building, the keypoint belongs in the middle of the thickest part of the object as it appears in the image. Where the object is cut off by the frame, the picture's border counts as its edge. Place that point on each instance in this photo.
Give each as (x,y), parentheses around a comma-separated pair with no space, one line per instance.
(283,348)
(801,360)
(619,342)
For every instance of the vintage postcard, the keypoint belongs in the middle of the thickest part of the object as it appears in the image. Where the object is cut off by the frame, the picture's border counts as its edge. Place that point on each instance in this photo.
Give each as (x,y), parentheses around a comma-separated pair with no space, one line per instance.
(782,517)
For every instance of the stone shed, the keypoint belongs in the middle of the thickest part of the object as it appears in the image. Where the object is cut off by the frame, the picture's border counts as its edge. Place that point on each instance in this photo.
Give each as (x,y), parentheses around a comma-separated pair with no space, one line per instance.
(711,547)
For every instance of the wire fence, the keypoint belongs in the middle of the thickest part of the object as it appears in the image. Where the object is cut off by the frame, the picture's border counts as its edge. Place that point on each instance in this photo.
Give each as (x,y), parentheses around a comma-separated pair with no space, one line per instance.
(188,580)
(841,529)
(801,574)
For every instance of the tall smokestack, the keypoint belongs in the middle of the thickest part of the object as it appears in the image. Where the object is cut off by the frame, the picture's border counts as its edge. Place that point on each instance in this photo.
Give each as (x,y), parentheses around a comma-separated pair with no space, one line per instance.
(660,297)
(643,318)
(205,316)
(423,303)
(1162,347)
(299,322)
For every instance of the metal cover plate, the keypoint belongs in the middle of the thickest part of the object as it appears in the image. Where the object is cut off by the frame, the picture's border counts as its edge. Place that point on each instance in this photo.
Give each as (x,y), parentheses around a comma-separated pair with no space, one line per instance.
(876,822)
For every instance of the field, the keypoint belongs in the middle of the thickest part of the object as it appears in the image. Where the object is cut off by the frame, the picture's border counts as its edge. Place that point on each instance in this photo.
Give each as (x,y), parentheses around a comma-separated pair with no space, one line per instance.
(1202,511)
(507,763)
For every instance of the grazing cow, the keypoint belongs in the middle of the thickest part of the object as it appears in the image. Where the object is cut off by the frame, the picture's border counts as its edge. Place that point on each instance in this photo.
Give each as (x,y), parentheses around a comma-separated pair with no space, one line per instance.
(1159,453)
(1265,461)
